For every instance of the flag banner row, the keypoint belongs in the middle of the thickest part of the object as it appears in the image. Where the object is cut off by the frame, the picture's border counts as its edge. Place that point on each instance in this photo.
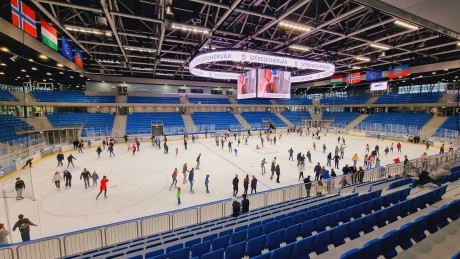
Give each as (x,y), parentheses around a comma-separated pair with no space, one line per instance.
(372,75)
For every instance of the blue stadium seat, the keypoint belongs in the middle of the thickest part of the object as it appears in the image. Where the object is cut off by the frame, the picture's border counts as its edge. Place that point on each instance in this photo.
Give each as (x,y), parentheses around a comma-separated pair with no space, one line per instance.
(201,249)
(209,100)
(303,248)
(394,213)
(282,252)
(270,227)
(192,242)
(357,210)
(209,237)
(420,227)
(147,99)
(255,232)
(339,234)
(298,218)
(6,96)
(405,235)
(456,256)
(368,206)
(372,248)
(220,242)
(335,218)
(174,248)
(69,97)
(274,239)
(322,240)
(183,253)
(389,242)
(346,214)
(355,228)
(309,214)
(369,222)
(154,253)
(307,228)
(321,223)
(163,256)
(236,250)
(454,213)
(291,233)
(284,223)
(262,256)
(238,237)
(217,254)
(226,232)
(255,246)
(340,119)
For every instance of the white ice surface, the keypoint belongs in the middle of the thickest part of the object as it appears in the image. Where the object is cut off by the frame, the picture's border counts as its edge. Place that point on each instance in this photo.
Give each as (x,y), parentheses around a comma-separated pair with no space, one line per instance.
(139,184)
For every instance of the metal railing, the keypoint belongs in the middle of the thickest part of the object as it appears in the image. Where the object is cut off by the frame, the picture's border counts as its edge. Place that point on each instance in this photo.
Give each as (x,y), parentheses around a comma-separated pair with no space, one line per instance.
(388,128)
(98,237)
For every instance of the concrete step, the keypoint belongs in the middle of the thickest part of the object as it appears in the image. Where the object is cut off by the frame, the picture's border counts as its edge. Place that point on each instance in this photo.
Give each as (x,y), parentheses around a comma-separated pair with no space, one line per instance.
(23,97)
(119,125)
(431,126)
(285,120)
(242,121)
(448,98)
(39,123)
(356,121)
(372,100)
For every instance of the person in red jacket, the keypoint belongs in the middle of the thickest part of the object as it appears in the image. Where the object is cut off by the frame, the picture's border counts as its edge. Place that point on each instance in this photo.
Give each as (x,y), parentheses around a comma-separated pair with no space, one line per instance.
(174,179)
(103,187)
(398,146)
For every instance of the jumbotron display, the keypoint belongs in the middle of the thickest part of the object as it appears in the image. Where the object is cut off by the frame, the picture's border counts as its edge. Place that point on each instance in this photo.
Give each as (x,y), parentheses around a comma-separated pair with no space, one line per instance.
(247,85)
(273,83)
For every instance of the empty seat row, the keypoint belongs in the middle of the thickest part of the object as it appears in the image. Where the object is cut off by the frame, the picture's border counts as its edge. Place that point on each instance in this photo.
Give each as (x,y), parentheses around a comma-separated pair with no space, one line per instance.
(340,119)
(7,96)
(221,120)
(70,97)
(209,100)
(254,101)
(149,99)
(297,117)
(360,99)
(409,98)
(389,122)
(94,124)
(295,101)
(254,118)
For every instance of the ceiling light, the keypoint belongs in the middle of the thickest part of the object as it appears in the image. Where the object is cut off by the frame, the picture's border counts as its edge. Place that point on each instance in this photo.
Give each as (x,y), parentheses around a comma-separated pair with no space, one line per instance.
(48,74)
(44,80)
(172,60)
(4,49)
(3,64)
(356,67)
(299,47)
(71,76)
(406,25)
(379,46)
(363,58)
(59,65)
(294,26)
(14,58)
(2,73)
(82,76)
(458,44)
(23,70)
(89,30)
(109,61)
(41,56)
(60,72)
(88,79)
(31,60)
(163,74)
(446,69)
(191,29)
(27,76)
(433,73)
(142,68)
(149,50)
(34,69)
(420,76)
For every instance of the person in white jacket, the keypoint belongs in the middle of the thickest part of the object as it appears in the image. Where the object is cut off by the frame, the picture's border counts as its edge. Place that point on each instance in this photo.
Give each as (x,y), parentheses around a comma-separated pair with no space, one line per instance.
(3,234)
(57,178)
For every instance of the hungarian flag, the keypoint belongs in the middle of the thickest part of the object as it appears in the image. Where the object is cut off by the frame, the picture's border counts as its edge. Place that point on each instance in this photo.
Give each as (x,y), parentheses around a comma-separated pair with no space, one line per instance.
(354,78)
(23,17)
(78,56)
(336,80)
(49,35)
(398,71)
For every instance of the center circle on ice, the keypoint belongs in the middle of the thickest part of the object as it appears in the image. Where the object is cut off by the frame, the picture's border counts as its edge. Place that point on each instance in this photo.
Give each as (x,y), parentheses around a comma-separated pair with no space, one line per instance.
(122,194)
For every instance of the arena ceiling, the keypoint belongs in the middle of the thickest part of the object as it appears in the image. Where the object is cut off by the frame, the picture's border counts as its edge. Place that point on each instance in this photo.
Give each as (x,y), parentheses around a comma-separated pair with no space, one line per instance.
(157,38)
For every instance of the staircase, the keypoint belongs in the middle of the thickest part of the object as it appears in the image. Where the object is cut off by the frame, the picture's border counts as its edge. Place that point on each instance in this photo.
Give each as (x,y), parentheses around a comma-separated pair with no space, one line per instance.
(188,120)
(119,125)
(356,121)
(316,116)
(448,98)
(233,100)
(121,99)
(285,120)
(431,126)
(183,99)
(242,121)
(273,102)
(372,100)
(39,123)
(315,102)
(23,97)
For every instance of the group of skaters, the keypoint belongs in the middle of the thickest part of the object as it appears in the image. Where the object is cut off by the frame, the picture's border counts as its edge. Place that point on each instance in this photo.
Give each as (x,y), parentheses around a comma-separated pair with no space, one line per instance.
(86,176)
(23,224)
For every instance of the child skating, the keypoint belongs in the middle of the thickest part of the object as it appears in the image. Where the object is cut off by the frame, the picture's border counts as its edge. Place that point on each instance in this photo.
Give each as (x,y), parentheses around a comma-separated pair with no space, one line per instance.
(206,183)
(178,195)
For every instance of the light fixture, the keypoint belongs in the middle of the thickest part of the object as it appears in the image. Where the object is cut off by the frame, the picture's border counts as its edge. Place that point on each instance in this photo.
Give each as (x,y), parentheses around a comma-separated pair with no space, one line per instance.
(44,80)
(89,31)
(356,67)
(34,69)
(23,70)
(168,60)
(142,68)
(82,76)
(299,47)
(3,64)
(61,73)
(71,76)
(163,74)
(59,65)
(27,76)
(294,26)
(420,76)
(2,73)
(5,49)
(140,49)
(14,58)
(41,56)
(458,44)
(190,28)
(361,58)
(406,25)
(379,46)
(109,61)
(31,60)
(433,73)
(48,74)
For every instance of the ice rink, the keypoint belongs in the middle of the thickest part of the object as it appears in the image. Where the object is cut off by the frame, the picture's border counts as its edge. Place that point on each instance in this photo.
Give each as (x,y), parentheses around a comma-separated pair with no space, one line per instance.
(139,185)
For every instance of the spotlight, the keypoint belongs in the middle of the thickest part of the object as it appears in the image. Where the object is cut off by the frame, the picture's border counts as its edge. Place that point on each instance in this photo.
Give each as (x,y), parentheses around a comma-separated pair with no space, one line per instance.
(14,58)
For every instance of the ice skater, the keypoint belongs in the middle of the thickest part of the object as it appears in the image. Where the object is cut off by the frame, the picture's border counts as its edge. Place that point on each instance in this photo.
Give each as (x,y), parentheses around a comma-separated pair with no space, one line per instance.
(177,150)
(19,186)
(291,152)
(60,158)
(134,148)
(28,163)
(98,151)
(246,184)
(95,177)
(254,184)
(70,159)
(236,151)
(262,165)
(85,175)
(67,179)
(185,144)
(174,179)
(198,162)
(184,172)
(103,187)
(57,178)
(178,195)
(191,175)
(206,183)
(110,149)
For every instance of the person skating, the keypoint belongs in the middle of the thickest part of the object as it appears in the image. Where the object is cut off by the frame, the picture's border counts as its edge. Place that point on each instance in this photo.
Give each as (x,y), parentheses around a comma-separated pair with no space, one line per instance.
(367,148)
(138,145)
(67,179)
(229,146)
(177,151)
(254,184)
(185,144)
(309,156)
(273,169)
(80,147)
(278,172)
(134,148)
(235,150)
(301,168)
(246,184)
(166,148)
(235,185)
(398,147)
(184,172)
(24,227)
(262,166)
(329,159)
(60,158)
(110,149)
(206,183)
(28,163)
(70,159)
(336,161)
(98,151)
(57,178)
(245,204)
(19,186)
(198,162)
(317,171)
(4,233)
(191,175)
(174,179)
(178,195)
(103,144)
(85,175)
(441,149)
(95,177)
(291,152)
(307,183)
(103,187)
(355,159)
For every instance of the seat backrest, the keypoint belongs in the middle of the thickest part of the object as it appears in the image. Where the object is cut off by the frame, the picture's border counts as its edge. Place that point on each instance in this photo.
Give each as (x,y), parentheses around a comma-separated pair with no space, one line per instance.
(238,237)
(236,250)
(354,253)
(217,254)
(174,248)
(220,242)
(201,249)
(180,254)
(282,252)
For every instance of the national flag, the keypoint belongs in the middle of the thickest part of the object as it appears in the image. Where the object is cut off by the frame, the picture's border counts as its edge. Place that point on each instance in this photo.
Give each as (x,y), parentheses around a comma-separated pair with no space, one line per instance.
(353,78)
(398,71)
(49,35)
(23,17)
(374,75)
(66,48)
(78,56)
(336,80)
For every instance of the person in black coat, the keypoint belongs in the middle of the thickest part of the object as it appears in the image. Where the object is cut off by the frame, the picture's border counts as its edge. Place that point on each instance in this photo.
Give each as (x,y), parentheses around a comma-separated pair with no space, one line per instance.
(60,158)
(307,183)
(24,227)
(235,185)
(70,159)
(254,184)
(278,172)
(236,208)
(67,179)
(244,204)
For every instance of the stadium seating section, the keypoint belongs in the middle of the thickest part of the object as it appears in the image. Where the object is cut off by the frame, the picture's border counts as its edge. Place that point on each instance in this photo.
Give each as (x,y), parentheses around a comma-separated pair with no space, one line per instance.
(7,96)
(141,123)
(416,120)
(340,119)
(209,100)
(409,98)
(452,123)
(70,97)
(360,99)
(11,124)
(256,118)
(142,99)
(255,101)
(222,120)
(294,101)
(99,123)
(296,117)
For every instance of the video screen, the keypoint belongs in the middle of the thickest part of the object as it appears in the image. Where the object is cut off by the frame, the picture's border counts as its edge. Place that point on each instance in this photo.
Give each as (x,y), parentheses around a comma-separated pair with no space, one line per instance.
(247,87)
(273,83)
(379,86)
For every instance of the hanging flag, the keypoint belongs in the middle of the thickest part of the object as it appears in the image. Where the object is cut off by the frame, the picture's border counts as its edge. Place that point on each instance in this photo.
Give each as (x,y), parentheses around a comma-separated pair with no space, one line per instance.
(49,35)
(374,75)
(398,71)
(78,56)
(354,78)
(23,17)
(66,48)
(336,80)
